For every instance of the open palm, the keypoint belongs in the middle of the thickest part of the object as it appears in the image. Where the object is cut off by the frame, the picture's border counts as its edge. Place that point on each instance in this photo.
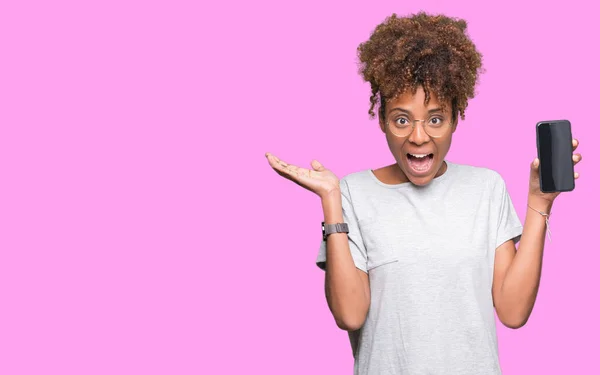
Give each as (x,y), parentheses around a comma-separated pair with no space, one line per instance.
(319,180)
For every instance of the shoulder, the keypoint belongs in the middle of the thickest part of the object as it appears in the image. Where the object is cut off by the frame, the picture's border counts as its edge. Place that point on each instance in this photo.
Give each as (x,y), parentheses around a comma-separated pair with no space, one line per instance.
(355,179)
(478,174)
(356,184)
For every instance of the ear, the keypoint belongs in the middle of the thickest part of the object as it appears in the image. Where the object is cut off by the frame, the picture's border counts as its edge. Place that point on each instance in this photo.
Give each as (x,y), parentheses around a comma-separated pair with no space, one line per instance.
(381,120)
(455,123)
(454,126)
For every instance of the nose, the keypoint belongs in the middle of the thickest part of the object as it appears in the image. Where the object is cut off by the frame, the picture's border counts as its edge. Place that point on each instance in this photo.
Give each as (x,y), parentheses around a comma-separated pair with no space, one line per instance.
(418,135)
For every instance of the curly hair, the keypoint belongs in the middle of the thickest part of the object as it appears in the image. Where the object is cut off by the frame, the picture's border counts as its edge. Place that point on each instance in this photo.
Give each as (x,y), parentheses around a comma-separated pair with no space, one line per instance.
(432,51)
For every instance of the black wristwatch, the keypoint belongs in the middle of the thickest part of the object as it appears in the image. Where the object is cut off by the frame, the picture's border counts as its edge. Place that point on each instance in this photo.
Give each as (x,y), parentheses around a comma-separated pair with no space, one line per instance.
(333,228)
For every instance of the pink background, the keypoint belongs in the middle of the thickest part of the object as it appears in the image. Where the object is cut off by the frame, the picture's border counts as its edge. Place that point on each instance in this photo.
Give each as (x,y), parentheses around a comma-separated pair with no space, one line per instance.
(142,230)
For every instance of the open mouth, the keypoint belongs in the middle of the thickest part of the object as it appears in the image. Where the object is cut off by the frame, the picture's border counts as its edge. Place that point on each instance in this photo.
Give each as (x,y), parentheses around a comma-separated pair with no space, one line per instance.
(420,163)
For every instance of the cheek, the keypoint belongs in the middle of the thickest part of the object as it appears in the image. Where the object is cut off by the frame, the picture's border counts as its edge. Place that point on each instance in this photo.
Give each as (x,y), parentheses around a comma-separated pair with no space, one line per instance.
(394,144)
(390,141)
(444,145)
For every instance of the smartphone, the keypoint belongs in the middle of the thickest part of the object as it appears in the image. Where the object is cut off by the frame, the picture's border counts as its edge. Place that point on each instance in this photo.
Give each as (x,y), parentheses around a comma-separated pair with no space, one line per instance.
(555,151)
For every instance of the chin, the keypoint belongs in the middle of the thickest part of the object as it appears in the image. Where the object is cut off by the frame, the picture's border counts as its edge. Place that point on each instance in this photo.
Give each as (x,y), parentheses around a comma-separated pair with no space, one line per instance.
(420,181)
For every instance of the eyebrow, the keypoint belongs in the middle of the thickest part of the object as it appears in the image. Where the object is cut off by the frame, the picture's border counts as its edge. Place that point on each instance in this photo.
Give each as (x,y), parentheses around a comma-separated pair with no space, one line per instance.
(407,111)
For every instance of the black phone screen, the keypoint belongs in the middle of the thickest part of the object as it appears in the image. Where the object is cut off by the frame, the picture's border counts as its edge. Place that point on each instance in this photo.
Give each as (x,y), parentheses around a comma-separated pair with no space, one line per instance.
(555,151)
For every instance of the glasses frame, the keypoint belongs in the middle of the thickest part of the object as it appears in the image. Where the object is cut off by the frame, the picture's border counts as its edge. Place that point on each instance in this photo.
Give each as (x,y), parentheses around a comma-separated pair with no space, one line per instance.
(412,124)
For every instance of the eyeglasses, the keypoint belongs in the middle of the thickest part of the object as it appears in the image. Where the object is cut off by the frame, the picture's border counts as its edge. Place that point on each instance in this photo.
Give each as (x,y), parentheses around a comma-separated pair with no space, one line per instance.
(401,126)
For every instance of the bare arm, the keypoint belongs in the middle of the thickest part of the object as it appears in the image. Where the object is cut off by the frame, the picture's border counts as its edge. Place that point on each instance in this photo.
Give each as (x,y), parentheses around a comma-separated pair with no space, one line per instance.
(517,273)
(346,287)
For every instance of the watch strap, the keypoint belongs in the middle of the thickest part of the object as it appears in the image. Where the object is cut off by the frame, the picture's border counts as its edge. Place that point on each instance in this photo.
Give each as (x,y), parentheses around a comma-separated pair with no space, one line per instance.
(334,228)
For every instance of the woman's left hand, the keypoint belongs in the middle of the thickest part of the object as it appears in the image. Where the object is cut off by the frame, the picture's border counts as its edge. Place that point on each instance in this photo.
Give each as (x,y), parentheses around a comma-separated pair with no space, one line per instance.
(534,179)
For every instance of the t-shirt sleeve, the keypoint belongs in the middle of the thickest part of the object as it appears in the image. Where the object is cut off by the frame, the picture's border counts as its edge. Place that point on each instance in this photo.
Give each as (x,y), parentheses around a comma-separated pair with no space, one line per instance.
(355,241)
(509,225)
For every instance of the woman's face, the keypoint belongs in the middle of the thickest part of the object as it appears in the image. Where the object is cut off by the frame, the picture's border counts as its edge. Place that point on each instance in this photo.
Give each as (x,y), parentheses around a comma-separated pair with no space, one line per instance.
(409,150)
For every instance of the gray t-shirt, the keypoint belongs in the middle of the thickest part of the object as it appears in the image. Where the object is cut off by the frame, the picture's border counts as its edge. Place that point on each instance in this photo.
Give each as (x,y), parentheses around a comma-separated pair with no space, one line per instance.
(429,252)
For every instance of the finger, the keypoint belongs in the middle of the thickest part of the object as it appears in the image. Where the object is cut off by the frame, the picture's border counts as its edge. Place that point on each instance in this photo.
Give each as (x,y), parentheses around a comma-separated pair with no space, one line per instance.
(272,161)
(279,166)
(287,172)
(575,144)
(576,158)
(280,162)
(535,164)
(275,161)
(576,175)
(298,171)
(317,166)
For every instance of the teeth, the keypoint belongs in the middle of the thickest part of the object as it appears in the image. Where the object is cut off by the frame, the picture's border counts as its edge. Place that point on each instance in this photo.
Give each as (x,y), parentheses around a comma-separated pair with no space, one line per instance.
(419,155)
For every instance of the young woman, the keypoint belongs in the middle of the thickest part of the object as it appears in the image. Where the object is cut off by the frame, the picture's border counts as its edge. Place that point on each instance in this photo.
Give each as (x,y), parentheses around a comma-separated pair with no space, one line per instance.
(429,248)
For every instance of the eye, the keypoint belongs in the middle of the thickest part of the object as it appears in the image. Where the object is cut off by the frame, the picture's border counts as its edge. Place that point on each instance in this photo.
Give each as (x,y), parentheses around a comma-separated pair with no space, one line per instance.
(437,121)
(401,121)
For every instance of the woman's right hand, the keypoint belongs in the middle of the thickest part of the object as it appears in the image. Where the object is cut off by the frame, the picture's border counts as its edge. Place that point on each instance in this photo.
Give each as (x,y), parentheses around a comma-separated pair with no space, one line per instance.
(319,180)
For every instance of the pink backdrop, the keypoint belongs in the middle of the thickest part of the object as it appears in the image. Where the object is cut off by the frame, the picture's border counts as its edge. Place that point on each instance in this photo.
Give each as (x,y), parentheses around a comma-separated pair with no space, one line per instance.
(142,230)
